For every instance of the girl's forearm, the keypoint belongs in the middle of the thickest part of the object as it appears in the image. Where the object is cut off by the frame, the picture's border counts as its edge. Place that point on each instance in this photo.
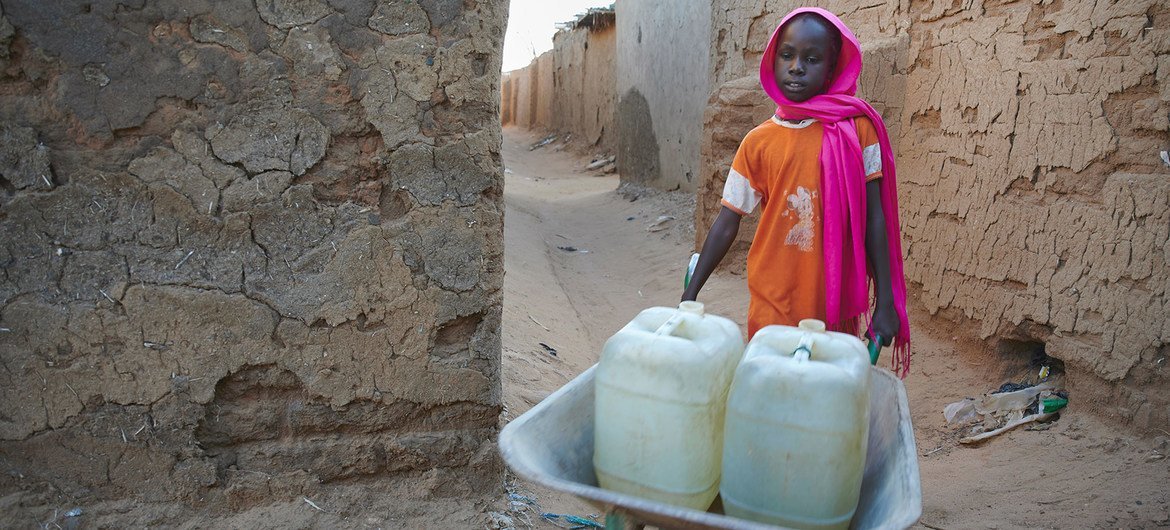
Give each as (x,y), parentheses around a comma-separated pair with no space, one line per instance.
(877,246)
(719,240)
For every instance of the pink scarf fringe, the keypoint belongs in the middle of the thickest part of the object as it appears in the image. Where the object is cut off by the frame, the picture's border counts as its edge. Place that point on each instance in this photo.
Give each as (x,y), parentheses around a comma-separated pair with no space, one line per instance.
(847,274)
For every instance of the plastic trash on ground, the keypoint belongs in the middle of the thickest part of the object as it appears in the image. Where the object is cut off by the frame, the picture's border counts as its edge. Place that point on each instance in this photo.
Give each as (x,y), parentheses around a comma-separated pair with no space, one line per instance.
(1010,406)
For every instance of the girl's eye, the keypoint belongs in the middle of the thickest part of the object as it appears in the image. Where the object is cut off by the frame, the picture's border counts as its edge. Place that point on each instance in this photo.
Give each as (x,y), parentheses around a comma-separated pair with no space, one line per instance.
(785,55)
(814,60)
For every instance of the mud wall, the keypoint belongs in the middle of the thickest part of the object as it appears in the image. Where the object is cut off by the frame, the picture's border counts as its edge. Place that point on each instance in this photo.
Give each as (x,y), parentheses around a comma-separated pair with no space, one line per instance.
(1032,195)
(583,85)
(249,239)
(543,91)
(529,94)
(525,96)
(662,90)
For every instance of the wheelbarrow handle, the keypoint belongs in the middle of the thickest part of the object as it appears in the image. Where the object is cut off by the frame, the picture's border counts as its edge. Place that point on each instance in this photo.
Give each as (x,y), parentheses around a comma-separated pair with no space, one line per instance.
(875,348)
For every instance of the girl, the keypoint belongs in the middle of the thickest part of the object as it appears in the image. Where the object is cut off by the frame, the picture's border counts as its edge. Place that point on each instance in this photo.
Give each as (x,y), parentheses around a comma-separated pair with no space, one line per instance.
(822,173)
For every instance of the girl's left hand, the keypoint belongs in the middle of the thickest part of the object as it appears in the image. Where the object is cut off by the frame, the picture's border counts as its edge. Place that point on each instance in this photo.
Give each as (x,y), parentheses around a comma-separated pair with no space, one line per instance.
(886,323)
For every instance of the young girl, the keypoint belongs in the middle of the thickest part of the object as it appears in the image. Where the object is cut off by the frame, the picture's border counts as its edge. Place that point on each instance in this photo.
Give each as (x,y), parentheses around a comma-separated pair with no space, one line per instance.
(822,173)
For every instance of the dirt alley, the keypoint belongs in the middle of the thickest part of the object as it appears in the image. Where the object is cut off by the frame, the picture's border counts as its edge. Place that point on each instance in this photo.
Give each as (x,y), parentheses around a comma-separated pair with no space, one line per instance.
(580,262)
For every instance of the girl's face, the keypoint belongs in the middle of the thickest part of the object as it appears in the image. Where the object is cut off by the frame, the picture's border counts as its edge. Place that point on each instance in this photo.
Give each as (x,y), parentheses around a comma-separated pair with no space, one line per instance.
(806,56)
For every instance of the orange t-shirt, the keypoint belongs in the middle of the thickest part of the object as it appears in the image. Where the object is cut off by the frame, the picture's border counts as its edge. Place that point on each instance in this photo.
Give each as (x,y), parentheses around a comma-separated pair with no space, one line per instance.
(777,167)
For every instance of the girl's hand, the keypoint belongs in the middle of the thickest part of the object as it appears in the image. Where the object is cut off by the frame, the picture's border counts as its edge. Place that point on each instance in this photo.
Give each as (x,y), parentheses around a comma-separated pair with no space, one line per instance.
(886,323)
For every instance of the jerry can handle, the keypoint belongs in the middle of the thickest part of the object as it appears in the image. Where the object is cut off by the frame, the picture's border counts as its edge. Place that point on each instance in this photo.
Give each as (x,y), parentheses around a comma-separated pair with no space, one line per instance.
(672,323)
(804,350)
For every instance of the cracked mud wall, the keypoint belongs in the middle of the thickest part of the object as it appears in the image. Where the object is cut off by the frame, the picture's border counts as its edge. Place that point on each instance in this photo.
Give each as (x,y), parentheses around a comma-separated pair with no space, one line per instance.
(1033,200)
(662,90)
(249,238)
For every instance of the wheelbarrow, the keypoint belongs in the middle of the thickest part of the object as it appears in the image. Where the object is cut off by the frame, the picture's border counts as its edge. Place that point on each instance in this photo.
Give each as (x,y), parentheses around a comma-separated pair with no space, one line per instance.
(552,445)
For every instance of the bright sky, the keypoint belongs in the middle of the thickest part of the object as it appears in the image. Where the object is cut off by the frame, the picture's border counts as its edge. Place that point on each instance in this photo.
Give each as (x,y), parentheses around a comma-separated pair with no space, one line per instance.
(532,23)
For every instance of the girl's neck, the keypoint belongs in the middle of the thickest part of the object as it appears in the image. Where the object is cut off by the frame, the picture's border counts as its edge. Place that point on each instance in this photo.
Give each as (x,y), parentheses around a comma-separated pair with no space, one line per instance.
(794,122)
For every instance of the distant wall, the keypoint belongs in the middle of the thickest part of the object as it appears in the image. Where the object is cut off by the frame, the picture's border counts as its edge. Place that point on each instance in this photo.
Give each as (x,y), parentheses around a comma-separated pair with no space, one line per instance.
(1032,197)
(507,99)
(662,88)
(527,95)
(570,88)
(246,242)
(583,85)
(543,91)
(525,115)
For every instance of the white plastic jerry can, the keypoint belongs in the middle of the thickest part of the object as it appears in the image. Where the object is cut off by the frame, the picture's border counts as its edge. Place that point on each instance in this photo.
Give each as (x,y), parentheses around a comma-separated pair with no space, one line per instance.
(661,389)
(797,428)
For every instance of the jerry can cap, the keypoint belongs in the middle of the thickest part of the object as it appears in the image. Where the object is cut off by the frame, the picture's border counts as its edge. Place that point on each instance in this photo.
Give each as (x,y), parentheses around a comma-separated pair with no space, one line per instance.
(812,324)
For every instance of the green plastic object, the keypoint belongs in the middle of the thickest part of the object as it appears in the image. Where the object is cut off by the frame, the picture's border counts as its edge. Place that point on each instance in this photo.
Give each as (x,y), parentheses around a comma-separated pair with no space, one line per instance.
(690,270)
(1053,404)
(581,522)
(875,349)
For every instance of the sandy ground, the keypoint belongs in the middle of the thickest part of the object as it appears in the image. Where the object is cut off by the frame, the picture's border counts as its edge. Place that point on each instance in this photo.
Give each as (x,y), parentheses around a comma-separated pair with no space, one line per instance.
(1077,472)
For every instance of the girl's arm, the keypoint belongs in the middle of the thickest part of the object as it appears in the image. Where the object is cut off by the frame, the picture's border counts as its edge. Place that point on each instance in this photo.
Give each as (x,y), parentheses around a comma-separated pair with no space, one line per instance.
(719,239)
(885,318)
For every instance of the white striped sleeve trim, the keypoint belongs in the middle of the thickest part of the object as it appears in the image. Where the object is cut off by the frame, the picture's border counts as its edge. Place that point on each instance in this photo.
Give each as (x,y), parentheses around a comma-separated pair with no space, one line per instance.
(872,157)
(739,194)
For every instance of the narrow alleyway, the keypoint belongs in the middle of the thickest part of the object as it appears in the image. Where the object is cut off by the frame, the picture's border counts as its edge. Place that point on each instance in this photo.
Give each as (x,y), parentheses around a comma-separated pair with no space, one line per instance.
(581,262)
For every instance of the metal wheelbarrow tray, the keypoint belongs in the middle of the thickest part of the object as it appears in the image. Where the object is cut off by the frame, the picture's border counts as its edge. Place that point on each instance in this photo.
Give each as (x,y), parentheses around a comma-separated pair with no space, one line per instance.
(552,445)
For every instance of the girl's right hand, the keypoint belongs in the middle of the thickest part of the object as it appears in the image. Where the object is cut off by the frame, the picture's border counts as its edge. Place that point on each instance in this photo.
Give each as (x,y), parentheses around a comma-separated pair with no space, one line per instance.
(885,323)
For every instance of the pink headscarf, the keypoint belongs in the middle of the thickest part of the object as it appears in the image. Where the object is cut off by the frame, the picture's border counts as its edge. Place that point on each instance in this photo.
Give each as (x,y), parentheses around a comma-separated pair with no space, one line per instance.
(843,187)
